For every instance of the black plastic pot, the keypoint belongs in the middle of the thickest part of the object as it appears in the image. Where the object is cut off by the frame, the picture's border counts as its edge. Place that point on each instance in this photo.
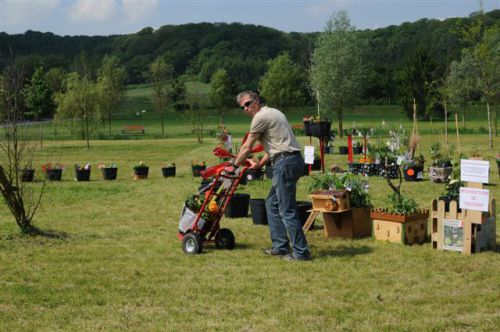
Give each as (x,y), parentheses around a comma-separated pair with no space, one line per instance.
(370,169)
(355,168)
(316,166)
(320,128)
(413,173)
(303,211)
(343,150)
(109,173)
(258,211)
(196,169)
(307,128)
(391,169)
(27,175)
(82,174)
(328,149)
(141,172)
(238,206)
(306,170)
(168,172)
(357,149)
(54,174)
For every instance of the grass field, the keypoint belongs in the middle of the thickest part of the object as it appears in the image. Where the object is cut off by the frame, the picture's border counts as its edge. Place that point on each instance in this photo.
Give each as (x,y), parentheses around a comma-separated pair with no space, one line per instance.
(116,263)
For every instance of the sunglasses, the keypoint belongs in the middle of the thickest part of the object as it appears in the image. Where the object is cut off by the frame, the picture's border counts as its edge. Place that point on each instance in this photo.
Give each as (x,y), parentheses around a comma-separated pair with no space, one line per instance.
(247,104)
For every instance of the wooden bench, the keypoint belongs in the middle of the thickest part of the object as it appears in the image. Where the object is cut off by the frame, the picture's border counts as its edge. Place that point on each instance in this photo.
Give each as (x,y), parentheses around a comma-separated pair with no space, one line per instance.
(133,130)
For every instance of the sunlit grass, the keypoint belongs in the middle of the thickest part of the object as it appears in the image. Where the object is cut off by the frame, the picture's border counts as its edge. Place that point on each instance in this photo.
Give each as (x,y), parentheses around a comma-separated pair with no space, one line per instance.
(118,265)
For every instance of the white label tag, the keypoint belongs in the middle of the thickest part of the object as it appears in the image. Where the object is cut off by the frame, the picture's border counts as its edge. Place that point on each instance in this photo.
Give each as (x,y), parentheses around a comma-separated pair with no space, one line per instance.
(309,154)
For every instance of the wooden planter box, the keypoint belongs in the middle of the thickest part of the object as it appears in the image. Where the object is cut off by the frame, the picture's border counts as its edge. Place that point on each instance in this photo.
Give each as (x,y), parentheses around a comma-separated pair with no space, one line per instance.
(330,200)
(349,224)
(398,228)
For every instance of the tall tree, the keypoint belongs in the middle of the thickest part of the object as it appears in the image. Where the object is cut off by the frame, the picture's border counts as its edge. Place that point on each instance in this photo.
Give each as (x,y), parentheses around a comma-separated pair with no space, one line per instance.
(110,85)
(336,69)
(479,72)
(79,104)
(283,83)
(16,153)
(221,93)
(38,96)
(161,73)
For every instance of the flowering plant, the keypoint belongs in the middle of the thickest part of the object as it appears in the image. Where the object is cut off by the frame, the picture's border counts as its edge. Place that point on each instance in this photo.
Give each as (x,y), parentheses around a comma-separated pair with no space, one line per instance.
(49,166)
(165,165)
(81,168)
(196,201)
(198,163)
(104,165)
(140,165)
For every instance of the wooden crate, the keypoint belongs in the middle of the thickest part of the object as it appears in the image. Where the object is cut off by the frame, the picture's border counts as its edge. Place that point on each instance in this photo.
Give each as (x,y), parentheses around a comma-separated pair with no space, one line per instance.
(330,200)
(479,228)
(348,224)
(399,228)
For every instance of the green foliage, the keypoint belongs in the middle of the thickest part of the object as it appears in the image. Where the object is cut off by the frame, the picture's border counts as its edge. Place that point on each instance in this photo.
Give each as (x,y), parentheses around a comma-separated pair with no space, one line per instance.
(38,96)
(283,83)
(221,92)
(400,204)
(140,165)
(452,189)
(161,74)
(336,69)
(357,187)
(110,87)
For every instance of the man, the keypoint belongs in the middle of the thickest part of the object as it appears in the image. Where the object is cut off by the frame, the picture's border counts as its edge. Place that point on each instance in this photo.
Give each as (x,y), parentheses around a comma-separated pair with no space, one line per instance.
(271,128)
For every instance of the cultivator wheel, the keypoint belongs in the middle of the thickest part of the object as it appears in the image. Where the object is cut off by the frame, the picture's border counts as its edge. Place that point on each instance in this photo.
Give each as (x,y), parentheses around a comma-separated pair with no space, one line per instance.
(224,239)
(192,244)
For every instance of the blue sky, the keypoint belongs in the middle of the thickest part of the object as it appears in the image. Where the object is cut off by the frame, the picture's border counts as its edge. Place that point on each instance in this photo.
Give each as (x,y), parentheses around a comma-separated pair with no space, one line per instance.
(105,17)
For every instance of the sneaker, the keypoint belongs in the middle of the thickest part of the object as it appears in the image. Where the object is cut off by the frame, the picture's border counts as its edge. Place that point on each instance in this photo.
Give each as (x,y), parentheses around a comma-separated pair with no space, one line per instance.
(291,257)
(275,252)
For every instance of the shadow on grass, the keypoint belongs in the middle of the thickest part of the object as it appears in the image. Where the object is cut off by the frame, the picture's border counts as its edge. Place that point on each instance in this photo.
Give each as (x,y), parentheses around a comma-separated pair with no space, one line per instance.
(344,251)
(45,233)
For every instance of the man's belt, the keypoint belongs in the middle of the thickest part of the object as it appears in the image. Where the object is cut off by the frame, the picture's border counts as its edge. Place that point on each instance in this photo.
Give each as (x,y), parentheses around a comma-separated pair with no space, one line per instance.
(283,155)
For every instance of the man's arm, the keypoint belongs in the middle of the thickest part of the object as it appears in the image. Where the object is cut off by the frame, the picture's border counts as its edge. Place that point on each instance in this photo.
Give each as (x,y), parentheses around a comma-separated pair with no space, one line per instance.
(245,149)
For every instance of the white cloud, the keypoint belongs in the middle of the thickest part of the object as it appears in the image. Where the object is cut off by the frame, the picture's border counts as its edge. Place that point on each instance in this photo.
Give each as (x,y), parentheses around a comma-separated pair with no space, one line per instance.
(93,10)
(18,12)
(139,9)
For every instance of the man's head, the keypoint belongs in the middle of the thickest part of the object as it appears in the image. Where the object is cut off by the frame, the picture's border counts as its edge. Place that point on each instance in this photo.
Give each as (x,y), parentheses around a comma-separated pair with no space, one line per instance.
(249,101)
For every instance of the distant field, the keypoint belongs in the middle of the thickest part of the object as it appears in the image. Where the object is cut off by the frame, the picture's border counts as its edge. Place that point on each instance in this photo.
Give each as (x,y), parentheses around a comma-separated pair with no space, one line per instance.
(138,109)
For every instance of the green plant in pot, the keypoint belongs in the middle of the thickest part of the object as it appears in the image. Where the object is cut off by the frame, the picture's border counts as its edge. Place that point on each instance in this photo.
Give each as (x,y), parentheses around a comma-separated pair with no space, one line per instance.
(141,171)
(402,221)
(441,167)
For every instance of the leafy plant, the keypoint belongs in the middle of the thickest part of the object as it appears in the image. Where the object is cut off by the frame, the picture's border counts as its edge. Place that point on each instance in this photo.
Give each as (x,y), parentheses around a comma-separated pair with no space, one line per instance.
(49,166)
(400,204)
(452,189)
(165,165)
(140,165)
(108,165)
(81,168)
(438,159)
(357,187)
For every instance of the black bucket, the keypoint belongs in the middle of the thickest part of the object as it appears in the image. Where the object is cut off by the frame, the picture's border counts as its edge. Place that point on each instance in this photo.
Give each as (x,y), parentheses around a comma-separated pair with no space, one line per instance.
(197,169)
(258,210)
(54,174)
(82,174)
(109,173)
(238,206)
(27,175)
(168,172)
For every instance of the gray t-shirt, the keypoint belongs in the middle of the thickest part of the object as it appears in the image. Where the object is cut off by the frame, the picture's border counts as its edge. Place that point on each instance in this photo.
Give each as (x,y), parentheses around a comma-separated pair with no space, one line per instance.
(275,133)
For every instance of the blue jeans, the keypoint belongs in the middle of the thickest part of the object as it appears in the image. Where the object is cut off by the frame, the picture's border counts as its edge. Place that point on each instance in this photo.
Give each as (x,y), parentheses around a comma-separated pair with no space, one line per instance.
(284,223)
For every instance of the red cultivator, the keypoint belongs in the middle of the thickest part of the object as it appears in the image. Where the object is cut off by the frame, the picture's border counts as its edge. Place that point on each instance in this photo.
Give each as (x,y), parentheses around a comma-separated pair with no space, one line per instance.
(199,228)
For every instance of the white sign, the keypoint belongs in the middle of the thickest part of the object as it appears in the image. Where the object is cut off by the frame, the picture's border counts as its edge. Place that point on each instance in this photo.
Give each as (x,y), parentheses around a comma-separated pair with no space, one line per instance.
(453,235)
(474,170)
(309,154)
(474,199)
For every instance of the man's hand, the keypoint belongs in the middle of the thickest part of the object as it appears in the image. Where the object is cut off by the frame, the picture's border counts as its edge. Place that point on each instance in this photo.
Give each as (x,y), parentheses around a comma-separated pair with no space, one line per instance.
(252,164)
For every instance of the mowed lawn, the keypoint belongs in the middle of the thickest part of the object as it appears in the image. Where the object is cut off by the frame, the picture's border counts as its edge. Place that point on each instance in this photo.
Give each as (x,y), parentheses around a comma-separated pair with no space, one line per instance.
(115,262)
